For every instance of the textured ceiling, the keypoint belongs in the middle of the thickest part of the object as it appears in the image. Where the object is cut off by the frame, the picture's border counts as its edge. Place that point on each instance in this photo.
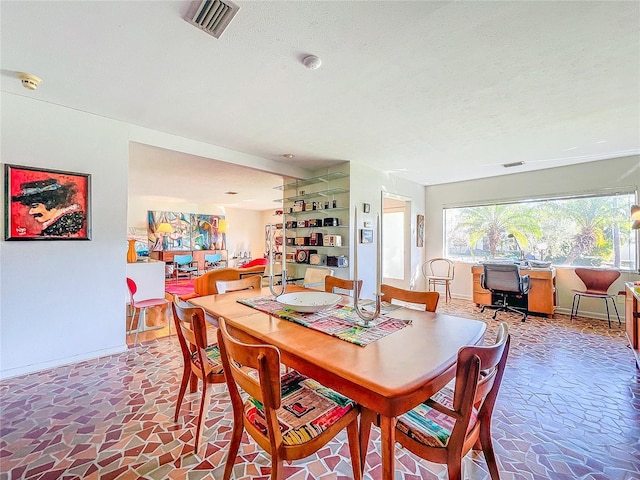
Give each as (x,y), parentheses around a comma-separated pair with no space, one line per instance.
(432,91)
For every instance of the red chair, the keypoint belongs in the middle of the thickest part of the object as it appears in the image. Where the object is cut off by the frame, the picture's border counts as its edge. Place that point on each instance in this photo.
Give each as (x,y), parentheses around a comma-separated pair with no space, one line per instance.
(140,307)
(257,261)
(597,283)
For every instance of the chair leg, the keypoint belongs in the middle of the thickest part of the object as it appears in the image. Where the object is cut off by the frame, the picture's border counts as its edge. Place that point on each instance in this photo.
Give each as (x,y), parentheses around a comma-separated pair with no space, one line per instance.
(133,317)
(202,417)
(277,467)
(142,319)
(186,375)
(454,467)
(234,446)
(613,300)
(519,312)
(574,313)
(606,304)
(354,449)
(487,447)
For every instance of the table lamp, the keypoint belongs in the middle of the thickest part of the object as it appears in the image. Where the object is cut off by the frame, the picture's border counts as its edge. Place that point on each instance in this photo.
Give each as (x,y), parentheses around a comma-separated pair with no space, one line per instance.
(162,231)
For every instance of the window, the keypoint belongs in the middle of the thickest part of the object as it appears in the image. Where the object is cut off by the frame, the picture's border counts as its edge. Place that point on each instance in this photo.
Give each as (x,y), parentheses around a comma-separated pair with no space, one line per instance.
(590,230)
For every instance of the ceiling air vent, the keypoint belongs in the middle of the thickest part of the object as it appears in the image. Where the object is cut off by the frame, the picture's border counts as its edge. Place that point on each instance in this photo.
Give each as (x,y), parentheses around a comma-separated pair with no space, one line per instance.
(213,16)
(513,164)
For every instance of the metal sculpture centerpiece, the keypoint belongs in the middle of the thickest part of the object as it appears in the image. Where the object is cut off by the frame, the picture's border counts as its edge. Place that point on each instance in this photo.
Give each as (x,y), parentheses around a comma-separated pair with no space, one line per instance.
(367,317)
(271,242)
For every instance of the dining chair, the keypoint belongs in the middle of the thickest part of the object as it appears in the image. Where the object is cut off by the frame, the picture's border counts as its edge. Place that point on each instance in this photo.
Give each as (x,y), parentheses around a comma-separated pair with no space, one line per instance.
(201,359)
(439,271)
(331,283)
(140,307)
(290,416)
(428,299)
(212,260)
(314,277)
(252,282)
(597,282)
(453,421)
(184,265)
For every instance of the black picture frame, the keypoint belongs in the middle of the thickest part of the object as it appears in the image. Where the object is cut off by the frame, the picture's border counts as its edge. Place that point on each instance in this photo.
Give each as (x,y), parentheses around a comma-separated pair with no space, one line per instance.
(46,204)
(366,235)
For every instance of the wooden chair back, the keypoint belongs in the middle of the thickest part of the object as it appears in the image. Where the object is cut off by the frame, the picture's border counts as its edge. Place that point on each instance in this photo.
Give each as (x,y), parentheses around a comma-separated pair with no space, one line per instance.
(331,283)
(597,281)
(191,326)
(182,315)
(479,373)
(442,268)
(428,299)
(241,363)
(255,369)
(252,282)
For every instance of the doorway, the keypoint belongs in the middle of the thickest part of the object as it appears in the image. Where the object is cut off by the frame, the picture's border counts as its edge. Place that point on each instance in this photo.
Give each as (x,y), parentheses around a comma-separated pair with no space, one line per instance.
(396,239)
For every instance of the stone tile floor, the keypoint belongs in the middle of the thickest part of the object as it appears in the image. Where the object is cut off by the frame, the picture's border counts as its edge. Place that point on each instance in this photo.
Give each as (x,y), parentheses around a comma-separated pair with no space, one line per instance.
(569,408)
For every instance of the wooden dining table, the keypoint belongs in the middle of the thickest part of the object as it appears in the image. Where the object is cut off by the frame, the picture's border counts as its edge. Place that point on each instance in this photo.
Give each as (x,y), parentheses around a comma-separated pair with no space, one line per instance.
(389,376)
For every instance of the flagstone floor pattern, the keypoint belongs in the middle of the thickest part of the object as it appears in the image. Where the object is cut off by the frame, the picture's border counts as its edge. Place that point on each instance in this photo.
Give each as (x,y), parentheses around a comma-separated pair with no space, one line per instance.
(569,408)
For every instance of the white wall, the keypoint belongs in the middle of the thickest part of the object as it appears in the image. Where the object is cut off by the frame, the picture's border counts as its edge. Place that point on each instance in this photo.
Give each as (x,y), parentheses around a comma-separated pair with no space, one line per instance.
(619,172)
(367,186)
(62,301)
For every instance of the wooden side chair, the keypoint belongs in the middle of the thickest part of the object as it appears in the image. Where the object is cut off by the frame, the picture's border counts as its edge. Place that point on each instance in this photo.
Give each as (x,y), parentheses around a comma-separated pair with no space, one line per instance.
(439,271)
(445,427)
(201,359)
(331,283)
(428,299)
(140,307)
(252,282)
(597,283)
(289,416)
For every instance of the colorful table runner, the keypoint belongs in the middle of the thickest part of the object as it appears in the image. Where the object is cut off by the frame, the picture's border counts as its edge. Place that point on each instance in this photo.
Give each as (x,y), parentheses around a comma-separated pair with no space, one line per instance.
(340,321)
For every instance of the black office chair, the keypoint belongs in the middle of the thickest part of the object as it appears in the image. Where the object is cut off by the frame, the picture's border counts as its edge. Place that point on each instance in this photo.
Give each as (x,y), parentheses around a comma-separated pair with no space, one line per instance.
(504,281)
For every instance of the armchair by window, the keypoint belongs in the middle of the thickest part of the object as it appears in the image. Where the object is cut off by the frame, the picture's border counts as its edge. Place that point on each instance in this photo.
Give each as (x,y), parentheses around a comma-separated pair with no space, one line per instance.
(184,265)
(506,283)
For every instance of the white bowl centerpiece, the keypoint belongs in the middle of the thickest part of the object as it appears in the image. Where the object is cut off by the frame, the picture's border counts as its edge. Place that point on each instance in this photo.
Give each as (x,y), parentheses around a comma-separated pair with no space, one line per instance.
(308,302)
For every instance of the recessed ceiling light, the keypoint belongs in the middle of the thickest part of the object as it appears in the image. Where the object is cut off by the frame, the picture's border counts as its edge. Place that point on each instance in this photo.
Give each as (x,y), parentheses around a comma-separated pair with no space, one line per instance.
(230,193)
(288,155)
(513,164)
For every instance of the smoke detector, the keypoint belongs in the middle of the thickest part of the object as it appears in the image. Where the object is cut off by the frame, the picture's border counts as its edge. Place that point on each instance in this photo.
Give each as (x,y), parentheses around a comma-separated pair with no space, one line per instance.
(311,62)
(29,81)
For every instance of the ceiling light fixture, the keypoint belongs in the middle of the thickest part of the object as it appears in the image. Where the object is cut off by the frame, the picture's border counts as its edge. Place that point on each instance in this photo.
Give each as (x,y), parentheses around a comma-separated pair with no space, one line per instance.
(288,155)
(312,62)
(230,193)
(29,81)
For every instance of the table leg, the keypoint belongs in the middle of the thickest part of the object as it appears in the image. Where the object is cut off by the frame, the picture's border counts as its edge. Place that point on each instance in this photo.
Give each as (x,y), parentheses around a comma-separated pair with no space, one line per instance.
(387,446)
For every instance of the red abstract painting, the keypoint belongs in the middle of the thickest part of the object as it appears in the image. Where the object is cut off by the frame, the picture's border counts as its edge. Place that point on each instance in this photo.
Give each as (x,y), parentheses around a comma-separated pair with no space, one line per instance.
(42,204)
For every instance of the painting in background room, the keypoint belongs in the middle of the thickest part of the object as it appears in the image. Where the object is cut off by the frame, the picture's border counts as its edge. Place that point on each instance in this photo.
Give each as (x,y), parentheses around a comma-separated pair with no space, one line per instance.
(42,204)
(420,231)
(187,231)
(205,234)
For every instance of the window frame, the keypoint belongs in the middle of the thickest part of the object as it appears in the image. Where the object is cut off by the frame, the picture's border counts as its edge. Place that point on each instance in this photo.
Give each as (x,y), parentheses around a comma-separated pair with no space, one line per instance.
(606,192)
